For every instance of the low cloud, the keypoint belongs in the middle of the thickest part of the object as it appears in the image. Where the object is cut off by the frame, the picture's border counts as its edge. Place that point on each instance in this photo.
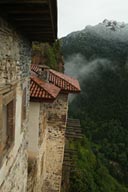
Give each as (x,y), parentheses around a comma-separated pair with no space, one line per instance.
(80,68)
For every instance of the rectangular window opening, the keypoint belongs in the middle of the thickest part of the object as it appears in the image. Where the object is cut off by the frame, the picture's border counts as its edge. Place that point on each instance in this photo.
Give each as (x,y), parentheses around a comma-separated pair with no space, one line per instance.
(7,122)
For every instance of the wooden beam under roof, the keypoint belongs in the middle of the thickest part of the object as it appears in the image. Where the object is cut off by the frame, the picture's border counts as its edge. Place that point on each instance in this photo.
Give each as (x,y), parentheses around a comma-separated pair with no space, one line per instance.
(23,8)
(32,24)
(44,34)
(40,30)
(23,1)
(52,17)
(41,35)
(27,12)
(33,18)
(40,38)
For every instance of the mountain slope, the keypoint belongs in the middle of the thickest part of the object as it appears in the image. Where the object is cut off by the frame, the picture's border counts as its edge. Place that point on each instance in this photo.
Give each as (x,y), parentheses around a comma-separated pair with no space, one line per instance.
(97,56)
(100,40)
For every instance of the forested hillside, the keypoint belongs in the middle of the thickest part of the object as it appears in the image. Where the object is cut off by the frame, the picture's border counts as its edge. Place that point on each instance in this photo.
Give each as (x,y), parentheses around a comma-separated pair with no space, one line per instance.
(98,57)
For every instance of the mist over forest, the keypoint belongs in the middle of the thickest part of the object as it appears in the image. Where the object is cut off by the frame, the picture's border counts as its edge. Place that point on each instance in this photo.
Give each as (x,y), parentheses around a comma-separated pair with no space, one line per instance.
(98,57)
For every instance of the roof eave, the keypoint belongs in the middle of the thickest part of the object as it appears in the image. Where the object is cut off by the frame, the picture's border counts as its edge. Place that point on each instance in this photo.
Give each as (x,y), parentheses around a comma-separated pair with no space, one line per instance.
(42,100)
(70,92)
(35,19)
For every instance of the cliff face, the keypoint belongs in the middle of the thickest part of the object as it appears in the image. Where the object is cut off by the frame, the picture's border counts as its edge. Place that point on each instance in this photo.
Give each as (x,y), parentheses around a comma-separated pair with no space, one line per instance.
(97,56)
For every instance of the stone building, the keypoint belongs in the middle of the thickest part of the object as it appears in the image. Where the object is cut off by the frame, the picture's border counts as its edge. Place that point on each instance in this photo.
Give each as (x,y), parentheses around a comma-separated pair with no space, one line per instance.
(49,91)
(33,103)
(21,22)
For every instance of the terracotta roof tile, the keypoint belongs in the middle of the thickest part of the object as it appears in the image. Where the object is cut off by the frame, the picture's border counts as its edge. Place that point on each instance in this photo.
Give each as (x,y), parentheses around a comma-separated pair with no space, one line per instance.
(63,81)
(35,68)
(40,89)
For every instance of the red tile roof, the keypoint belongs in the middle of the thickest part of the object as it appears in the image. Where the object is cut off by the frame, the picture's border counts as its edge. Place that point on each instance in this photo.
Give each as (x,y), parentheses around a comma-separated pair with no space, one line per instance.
(35,68)
(41,90)
(64,82)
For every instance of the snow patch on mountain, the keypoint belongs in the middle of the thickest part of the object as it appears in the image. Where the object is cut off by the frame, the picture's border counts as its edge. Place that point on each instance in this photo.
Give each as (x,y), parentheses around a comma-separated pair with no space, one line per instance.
(110,30)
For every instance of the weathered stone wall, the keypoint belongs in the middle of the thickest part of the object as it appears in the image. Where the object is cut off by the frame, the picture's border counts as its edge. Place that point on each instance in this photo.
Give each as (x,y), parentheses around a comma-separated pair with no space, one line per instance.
(15,57)
(15,180)
(56,125)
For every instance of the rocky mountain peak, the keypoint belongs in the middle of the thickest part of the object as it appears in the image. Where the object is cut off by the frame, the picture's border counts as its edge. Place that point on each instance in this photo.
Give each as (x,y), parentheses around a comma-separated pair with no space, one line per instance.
(113,25)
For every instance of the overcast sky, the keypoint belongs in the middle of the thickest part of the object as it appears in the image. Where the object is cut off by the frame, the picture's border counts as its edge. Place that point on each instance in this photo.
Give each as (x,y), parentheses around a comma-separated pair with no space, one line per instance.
(74,15)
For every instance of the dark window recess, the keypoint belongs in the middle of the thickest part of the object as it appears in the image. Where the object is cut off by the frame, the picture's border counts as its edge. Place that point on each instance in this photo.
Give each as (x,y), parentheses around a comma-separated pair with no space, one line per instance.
(10,122)
(7,123)
(8,129)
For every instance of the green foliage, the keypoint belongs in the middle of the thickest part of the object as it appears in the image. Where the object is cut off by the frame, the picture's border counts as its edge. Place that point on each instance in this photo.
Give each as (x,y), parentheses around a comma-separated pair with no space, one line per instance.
(51,53)
(51,57)
(90,174)
(102,107)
